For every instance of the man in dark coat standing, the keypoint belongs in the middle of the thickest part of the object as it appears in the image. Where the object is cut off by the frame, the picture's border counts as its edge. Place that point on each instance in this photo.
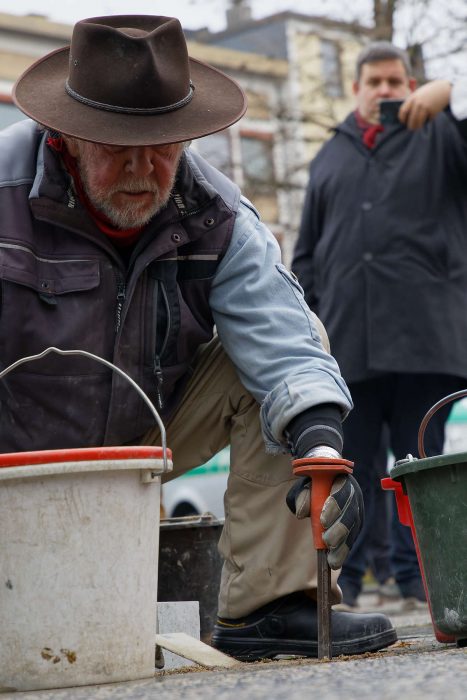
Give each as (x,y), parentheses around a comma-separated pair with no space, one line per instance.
(382,256)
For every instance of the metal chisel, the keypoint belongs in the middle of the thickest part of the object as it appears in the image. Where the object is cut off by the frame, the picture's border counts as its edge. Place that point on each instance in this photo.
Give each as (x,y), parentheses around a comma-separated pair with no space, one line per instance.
(322,473)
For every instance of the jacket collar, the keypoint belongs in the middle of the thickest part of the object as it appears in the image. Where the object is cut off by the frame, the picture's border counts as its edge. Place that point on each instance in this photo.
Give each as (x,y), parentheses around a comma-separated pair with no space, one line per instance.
(350,128)
(181,221)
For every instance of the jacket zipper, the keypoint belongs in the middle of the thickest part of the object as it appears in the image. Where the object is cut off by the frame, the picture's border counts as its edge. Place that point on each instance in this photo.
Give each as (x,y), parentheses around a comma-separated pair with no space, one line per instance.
(121,295)
(71,198)
(157,356)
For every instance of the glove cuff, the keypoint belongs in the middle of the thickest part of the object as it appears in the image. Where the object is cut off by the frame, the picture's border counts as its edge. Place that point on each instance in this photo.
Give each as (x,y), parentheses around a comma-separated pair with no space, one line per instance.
(317,426)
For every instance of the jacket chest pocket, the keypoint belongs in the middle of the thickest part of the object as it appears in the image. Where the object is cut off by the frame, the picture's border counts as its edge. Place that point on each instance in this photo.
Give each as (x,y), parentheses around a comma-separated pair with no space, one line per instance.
(164,315)
(46,301)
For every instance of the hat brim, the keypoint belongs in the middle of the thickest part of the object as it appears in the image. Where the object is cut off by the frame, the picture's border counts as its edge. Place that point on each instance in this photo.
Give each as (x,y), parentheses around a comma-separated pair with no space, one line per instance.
(217,102)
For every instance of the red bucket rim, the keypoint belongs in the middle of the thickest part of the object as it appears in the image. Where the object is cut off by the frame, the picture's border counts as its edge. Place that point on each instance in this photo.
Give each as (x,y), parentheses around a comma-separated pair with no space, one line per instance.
(82,454)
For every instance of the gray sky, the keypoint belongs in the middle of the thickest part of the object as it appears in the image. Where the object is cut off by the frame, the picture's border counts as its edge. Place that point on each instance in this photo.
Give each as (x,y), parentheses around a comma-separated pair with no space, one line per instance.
(192,13)
(438,24)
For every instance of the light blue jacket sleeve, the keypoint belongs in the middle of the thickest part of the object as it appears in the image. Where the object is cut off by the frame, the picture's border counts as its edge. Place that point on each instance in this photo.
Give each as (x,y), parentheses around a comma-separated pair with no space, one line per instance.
(269,332)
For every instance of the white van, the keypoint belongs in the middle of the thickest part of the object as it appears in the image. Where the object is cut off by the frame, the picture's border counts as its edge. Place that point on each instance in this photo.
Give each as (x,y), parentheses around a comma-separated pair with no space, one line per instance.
(200,490)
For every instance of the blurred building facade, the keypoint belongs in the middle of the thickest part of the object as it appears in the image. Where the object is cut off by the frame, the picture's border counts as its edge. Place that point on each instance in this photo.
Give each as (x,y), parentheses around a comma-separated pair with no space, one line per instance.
(296,70)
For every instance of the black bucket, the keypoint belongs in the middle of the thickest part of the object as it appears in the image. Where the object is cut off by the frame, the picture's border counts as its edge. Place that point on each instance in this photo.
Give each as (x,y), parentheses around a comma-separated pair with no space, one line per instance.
(190,565)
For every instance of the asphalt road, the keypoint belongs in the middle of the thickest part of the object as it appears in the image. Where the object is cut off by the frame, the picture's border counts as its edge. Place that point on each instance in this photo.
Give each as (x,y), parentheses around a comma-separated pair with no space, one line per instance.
(417,666)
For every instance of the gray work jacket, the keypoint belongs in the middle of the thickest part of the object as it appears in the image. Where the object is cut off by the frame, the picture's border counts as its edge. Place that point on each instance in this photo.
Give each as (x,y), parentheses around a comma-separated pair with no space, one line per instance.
(206,260)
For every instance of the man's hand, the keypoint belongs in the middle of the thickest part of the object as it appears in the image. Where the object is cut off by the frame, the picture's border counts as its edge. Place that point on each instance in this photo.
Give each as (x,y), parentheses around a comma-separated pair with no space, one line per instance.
(425,103)
(341,517)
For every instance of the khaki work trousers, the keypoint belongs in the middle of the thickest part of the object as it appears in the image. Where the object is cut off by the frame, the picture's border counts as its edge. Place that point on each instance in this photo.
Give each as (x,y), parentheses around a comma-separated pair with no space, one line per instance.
(267,552)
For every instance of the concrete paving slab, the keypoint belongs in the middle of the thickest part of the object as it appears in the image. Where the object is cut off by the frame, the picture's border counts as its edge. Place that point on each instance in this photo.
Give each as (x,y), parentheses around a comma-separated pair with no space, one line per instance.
(181,616)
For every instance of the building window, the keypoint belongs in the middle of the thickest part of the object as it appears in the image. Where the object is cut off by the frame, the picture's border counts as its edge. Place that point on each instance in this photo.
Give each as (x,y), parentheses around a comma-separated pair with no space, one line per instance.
(246,156)
(257,159)
(259,178)
(331,68)
(216,148)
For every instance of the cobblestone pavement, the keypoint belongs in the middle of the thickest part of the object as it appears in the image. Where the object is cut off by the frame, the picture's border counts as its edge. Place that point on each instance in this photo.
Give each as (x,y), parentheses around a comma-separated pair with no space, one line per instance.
(416,667)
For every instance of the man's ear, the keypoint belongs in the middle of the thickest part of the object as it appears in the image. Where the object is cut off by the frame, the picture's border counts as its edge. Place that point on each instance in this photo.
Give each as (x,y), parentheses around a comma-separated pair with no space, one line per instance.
(355,87)
(412,84)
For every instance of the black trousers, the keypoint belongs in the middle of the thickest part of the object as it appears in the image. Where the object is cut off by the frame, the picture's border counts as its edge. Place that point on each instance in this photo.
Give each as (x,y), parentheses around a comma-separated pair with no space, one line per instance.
(390,407)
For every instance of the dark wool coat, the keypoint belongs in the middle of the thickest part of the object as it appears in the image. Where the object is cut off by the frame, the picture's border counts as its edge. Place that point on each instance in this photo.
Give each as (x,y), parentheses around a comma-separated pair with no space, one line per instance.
(382,248)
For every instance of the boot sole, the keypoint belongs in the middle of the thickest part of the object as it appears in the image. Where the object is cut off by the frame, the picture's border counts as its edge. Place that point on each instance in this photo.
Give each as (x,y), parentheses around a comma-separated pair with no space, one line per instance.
(254,649)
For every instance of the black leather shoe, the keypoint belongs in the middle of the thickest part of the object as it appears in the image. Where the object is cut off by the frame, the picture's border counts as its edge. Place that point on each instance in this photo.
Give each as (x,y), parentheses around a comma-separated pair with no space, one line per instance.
(288,625)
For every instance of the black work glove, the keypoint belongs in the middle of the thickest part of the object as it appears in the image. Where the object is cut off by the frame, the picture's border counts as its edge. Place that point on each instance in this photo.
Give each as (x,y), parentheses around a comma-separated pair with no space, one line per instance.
(341,517)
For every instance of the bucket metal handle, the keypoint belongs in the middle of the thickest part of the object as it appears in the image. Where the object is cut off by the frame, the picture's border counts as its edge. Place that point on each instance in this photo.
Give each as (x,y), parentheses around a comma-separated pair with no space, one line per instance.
(113,367)
(429,415)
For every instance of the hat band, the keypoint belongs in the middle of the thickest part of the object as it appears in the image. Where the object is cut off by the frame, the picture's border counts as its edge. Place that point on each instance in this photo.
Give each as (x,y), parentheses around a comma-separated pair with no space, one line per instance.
(130,110)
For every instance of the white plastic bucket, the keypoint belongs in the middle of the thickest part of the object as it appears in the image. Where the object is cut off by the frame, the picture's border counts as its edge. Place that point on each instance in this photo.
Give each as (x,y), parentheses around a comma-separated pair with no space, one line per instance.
(78,567)
(79,541)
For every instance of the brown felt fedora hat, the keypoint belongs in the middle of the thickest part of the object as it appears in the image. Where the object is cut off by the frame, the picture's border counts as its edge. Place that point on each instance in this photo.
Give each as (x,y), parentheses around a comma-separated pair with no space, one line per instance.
(128,80)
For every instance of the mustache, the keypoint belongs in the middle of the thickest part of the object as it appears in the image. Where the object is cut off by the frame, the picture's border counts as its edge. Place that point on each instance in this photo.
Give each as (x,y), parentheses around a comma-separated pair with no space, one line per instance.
(135,185)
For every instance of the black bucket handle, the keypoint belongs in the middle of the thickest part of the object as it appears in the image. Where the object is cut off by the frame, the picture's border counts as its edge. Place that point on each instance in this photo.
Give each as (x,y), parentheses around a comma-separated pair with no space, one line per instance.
(429,415)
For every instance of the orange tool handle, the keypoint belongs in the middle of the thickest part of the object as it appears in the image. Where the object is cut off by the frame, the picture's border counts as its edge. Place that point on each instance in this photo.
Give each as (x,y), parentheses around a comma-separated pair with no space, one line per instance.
(322,473)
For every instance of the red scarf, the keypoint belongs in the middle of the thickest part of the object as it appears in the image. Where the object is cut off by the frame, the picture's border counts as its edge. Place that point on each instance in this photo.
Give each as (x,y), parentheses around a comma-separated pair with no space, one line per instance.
(369,131)
(121,238)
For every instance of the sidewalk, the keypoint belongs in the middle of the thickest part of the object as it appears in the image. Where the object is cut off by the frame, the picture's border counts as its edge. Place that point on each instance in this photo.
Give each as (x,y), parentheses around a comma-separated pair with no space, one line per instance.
(416,667)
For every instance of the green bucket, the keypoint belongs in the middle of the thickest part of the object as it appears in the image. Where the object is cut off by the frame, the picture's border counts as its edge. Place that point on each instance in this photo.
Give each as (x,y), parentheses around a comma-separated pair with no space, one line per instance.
(437,492)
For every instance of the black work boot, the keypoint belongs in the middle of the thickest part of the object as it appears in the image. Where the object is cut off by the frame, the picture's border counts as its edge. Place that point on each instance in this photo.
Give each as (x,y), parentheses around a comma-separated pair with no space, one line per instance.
(288,625)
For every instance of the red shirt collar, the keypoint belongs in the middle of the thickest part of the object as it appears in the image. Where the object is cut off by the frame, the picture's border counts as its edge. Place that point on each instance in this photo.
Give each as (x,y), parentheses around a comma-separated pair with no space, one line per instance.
(368,131)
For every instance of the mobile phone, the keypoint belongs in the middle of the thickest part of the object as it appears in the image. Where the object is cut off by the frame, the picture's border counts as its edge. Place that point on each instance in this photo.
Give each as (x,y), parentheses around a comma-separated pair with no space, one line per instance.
(388,111)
